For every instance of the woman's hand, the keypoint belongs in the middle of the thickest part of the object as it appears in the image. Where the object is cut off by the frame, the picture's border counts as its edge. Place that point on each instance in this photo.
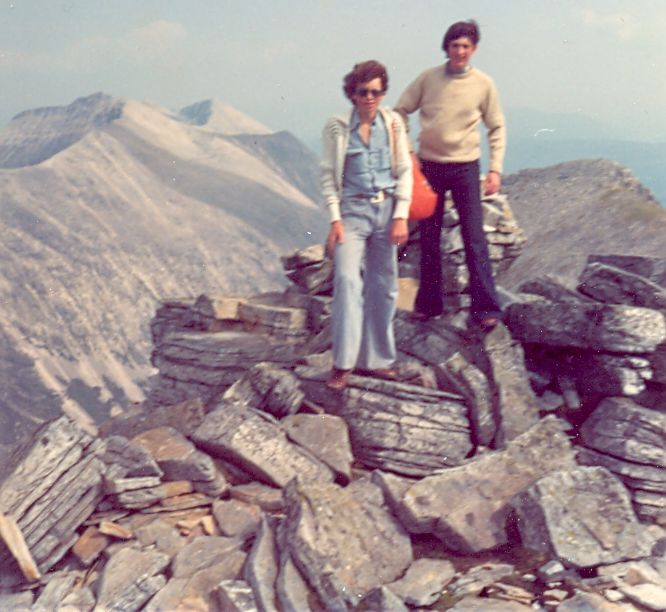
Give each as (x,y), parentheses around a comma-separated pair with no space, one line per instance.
(399,232)
(335,234)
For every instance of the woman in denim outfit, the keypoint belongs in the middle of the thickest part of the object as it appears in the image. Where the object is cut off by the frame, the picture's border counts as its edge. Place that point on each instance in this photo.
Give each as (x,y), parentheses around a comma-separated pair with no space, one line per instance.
(366,181)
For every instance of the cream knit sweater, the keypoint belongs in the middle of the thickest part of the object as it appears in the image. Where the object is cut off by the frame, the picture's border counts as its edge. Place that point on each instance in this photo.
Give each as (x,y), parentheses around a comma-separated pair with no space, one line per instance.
(451,107)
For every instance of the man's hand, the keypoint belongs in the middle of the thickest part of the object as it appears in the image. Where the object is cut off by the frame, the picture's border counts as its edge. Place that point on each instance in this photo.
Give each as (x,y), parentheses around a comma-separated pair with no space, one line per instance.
(399,232)
(492,183)
(335,234)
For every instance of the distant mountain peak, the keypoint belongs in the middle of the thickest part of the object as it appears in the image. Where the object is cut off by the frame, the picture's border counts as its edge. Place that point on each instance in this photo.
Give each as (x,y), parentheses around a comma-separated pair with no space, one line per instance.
(222,118)
(36,135)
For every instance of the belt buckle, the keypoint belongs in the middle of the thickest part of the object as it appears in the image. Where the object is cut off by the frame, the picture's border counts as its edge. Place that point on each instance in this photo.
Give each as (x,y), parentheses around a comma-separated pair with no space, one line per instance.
(380,197)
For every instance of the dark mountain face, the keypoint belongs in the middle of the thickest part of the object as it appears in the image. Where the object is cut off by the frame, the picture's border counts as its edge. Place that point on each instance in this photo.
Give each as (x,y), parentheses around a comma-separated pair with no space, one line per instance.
(108,206)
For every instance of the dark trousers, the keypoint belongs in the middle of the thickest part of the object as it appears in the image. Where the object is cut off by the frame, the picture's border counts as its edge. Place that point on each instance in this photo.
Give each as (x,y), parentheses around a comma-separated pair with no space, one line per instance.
(462,179)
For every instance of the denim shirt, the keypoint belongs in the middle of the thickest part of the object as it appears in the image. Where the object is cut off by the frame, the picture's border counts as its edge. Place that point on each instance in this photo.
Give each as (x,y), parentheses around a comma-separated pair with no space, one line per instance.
(367,168)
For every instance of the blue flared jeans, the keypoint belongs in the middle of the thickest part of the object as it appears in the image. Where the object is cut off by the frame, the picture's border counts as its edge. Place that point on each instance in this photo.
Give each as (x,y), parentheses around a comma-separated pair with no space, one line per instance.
(463,180)
(365,287)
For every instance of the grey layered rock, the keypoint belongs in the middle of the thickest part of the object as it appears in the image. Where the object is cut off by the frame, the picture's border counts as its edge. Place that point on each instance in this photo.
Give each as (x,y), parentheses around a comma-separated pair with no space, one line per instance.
(616,286)
(235,596)
(54,592)
(651,268)
(203,552)
(165,537)
(424,581)
(261,568)
(267,388)
(583,516)
(326,437)
(128,460)
(179,459)
(472,384)
(344,540)
(50,486)
(293,592)
(628,439)
(130,578)
(381,599)
(517,407)
(467,507)
(270,314)
(196,572)
(250,438)
(602,327)
(592,602)
(478,578)
(396,426)
(236,518)
(552,288)
(204,365)
(302,258)
(625,430)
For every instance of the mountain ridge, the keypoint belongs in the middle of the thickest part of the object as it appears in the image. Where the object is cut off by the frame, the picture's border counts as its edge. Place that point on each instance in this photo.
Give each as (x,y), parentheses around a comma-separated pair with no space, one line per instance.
(113,217)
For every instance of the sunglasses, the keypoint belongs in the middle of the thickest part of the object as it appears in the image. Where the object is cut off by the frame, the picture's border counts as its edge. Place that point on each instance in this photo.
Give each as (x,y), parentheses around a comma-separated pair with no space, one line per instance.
(364,91)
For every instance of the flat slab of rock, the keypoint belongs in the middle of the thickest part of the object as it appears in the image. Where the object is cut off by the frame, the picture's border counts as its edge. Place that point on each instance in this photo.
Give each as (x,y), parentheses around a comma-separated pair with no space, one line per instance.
(424,581)
(482,490)
(130,578)
(325,436)
(601,327)
(258,444)
(626,430)
(49,487)
(179,459)
(517,407)
(583,516)
(269,388)
(616,286)
(344,540)
(394,426)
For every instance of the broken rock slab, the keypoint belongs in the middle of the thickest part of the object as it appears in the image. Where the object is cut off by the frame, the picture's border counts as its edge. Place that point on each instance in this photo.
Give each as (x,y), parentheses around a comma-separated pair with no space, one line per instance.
(325,436)
(601,327)
(396,426)
(345,541)
(49,486)
(269,388)
(179,459)
(467,507)
(130,578)
(583,516)
(517,408)
(255,441)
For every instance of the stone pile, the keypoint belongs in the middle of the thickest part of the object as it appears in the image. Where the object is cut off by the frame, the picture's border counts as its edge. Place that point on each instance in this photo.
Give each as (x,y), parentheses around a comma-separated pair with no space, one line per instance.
(493,475)
(601,348)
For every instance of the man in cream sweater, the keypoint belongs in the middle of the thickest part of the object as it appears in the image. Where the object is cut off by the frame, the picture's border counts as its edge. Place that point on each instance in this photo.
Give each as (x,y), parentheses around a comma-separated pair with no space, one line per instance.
(452,100)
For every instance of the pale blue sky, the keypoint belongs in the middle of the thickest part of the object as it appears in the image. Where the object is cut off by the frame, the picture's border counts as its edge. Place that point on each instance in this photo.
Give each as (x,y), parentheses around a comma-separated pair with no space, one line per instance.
(282,61)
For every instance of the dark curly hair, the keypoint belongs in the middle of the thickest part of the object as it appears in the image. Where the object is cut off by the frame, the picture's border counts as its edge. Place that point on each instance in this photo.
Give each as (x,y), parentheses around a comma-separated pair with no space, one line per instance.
(362,73)
(469,28)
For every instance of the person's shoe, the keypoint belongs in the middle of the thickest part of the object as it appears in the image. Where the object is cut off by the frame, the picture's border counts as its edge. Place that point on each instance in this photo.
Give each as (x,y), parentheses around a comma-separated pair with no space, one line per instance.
(419,317)
(383,373)
(338,379)
(484,324)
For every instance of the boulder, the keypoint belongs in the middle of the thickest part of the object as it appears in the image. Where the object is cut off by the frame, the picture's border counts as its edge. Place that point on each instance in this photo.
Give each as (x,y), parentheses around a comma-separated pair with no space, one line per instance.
(467,507)
(583,516)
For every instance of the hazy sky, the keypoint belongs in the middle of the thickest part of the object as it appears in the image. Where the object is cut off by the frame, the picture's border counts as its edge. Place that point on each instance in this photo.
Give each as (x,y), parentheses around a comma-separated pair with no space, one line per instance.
(282,61)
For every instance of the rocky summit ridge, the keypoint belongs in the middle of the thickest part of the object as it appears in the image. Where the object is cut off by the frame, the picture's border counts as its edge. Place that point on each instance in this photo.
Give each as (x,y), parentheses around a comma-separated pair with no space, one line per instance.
(520,469)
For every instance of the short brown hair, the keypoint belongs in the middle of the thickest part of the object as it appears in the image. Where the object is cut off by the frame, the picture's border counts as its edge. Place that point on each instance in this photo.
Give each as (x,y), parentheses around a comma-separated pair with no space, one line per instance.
(469,29)
(362,73)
